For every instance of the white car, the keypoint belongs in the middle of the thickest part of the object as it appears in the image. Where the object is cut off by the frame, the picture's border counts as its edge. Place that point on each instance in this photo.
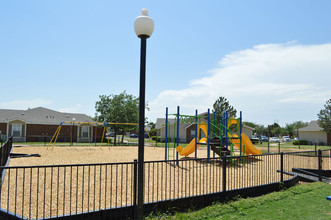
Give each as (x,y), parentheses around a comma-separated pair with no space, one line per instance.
(274,139)
(286,139)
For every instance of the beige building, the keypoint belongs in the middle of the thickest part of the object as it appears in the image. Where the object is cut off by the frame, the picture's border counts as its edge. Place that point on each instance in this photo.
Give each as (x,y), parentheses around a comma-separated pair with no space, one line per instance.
(314,134)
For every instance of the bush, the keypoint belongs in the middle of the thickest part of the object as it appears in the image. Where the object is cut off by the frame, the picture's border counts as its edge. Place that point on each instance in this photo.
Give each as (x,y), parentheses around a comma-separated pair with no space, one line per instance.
(302,142)
(152,132)
(156,138)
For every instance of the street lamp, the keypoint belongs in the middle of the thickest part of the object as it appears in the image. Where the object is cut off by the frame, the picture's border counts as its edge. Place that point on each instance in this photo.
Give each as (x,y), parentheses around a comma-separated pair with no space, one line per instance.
(143,26)
(72,132)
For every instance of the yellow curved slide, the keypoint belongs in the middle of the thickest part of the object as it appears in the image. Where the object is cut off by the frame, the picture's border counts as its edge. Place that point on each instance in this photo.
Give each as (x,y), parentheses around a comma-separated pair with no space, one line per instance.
(190,148)
(250,149)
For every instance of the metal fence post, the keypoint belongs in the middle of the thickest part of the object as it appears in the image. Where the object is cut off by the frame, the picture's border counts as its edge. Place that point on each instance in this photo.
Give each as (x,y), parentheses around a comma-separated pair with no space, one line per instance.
(279,147)
(315,149)
(135,187)
(281,167)
(224,172)
(319,165)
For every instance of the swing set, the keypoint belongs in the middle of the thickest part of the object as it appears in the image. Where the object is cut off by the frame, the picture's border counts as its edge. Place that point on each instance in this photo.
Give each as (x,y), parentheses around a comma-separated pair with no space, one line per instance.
(104,132)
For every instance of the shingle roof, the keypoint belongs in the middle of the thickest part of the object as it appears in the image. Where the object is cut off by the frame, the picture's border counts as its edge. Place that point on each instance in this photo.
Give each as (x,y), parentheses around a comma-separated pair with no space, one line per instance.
(312,126)
(41,115)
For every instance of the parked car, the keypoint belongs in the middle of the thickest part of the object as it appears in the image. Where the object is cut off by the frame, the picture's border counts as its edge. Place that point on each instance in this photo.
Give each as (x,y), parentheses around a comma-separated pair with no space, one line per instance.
(286,139)
(255,140)
(110,134)
(133,135)
(264,138)
(296,139)
(274,139)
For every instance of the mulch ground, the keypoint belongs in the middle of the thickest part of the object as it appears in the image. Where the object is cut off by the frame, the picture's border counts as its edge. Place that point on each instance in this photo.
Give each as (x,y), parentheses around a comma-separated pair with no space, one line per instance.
(51,191)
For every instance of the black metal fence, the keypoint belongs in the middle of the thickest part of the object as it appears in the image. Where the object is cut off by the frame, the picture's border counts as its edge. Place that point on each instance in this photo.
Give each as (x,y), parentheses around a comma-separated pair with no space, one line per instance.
(67,190)
(5,151)
(4,155)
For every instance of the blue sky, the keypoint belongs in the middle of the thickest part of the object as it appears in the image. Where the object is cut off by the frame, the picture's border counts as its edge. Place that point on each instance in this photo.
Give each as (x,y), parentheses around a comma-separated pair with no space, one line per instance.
(271,59)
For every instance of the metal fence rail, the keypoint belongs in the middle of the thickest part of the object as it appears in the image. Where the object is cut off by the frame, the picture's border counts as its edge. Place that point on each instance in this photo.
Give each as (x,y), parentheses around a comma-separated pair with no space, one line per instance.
(5,151)
(4,156)
(45,191)
(58,190)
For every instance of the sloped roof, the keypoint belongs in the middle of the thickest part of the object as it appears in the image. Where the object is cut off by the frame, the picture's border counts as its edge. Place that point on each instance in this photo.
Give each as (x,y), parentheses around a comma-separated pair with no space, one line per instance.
(41,115)
(312,126)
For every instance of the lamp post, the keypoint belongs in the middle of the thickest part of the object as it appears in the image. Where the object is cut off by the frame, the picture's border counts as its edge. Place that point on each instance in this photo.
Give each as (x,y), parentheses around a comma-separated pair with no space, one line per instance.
(143,26)
(72,132)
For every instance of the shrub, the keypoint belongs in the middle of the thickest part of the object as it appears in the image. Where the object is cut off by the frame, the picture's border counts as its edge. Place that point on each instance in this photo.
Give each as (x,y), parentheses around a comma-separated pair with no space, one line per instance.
(302,142)
(156,138)
(152,132)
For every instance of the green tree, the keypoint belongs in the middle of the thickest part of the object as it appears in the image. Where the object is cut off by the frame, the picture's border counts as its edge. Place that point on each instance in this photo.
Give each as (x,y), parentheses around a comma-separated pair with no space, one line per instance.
(275,129)
(289,129)
(292,128)
(151,125)
(324,117)
(300,124)
(258,129)
(122,108)
(222,105)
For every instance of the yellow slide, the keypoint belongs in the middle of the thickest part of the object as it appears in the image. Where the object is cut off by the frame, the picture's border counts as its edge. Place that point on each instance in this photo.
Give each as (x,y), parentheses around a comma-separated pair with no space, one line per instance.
(250,149)
(190,148)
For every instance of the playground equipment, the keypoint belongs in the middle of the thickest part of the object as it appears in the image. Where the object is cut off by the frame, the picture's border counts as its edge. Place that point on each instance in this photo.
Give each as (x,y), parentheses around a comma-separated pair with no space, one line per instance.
(244,144)
(104,132)
(190,148)
(219,136)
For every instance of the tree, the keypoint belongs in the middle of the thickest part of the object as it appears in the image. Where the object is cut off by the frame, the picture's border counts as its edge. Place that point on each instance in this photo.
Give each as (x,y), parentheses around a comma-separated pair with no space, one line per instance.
(292,128)
(222,105)
(324,117)
(289,129)
(122,108)
(274,129)
(258,129)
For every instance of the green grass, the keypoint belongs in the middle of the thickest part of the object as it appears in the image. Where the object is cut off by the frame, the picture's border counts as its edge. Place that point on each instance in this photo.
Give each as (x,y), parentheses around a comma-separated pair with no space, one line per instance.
(288,146)
(307,201)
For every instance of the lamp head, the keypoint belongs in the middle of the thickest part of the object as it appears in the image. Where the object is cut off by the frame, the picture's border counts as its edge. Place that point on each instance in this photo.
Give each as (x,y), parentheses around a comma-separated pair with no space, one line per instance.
(144,25)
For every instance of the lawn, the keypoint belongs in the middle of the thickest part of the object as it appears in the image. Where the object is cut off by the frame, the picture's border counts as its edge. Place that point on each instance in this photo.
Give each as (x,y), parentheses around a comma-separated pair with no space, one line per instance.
(305,201)
(287,147)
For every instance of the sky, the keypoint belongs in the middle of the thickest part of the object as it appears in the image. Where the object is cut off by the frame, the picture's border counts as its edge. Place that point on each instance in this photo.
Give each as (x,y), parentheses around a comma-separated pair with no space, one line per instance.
(270,59)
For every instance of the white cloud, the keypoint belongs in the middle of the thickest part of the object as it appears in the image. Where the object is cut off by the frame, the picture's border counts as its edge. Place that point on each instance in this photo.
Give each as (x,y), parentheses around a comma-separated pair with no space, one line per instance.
(285,77)
(24,104)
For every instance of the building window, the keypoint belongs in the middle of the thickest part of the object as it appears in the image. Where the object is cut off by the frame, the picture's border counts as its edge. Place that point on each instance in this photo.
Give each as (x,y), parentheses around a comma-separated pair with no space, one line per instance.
(85,130)
(17,130)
